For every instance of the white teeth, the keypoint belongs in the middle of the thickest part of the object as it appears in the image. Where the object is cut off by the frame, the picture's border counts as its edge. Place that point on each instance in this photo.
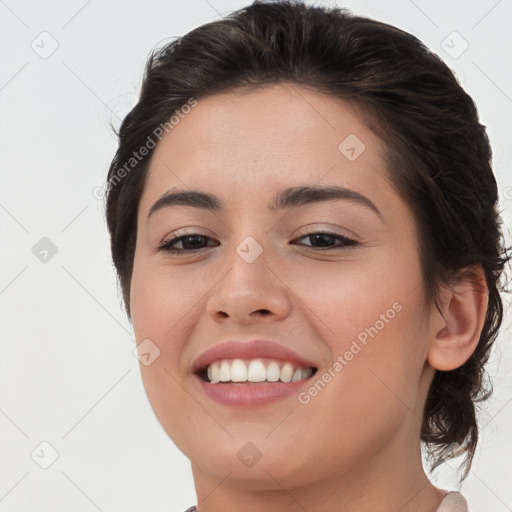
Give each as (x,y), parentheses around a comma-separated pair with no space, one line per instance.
(273,372)
(215,377)
(287,372)
(297,375)
(237,370)
(225,371)
(256,372)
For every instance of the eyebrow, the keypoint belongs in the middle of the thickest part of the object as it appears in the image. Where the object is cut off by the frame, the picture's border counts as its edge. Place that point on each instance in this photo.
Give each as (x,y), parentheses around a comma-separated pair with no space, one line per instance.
(287,198)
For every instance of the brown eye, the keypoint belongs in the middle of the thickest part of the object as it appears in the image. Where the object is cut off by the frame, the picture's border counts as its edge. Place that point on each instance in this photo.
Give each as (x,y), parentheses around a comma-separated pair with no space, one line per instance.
(190,243)
(327,241)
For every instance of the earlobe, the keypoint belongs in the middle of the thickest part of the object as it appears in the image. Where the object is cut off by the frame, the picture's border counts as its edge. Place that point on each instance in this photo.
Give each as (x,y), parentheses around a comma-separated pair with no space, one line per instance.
(464,307)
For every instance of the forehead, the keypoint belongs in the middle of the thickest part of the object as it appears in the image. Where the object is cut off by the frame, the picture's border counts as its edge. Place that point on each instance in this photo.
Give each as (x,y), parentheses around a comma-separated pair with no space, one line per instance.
(257,140)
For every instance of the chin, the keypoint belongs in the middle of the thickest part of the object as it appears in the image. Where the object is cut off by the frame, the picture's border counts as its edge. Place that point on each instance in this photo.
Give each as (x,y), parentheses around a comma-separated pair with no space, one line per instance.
(254,465)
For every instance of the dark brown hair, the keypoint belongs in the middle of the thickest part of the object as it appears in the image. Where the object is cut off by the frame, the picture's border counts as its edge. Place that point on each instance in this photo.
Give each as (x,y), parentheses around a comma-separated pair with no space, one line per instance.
(437,152)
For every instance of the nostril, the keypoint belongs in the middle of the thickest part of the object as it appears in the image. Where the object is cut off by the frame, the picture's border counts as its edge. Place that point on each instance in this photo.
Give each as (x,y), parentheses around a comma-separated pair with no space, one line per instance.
(263,311)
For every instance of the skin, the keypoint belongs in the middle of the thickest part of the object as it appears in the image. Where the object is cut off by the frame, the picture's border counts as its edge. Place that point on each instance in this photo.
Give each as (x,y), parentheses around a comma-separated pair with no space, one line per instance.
(355,446)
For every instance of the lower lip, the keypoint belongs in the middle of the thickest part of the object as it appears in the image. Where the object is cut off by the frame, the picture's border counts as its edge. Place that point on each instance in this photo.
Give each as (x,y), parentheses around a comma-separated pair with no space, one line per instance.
(252,394)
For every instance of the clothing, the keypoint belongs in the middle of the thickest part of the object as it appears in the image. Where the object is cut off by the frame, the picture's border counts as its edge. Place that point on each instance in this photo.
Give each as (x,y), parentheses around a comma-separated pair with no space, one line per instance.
(453,502)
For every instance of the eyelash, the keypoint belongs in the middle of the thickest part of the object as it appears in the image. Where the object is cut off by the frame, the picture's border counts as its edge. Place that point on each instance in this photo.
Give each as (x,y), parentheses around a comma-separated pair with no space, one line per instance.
(166,246)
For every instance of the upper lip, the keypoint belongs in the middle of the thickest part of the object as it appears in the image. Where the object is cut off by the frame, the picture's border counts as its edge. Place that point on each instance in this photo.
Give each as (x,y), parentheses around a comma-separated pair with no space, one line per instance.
(254,349)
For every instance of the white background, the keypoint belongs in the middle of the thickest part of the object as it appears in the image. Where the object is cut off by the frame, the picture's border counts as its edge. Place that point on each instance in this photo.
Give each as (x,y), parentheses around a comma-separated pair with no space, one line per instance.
(68,375)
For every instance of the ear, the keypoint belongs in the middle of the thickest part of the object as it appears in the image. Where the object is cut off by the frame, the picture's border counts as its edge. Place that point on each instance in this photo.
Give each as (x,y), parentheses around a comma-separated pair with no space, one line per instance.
(455,333)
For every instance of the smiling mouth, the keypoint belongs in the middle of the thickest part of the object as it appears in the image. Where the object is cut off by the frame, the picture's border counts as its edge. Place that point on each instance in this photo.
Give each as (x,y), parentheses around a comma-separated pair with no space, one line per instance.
(254,371)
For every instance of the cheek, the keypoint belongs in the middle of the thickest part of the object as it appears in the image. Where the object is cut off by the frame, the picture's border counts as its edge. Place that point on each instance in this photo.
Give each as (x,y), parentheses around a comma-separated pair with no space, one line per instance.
(162,297)
(374,320)
(345,299)
(371,389)
(159,305)
(155,313)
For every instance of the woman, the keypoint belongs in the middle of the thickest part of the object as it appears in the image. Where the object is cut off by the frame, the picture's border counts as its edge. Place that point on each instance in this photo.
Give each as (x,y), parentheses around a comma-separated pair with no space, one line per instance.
(303,219)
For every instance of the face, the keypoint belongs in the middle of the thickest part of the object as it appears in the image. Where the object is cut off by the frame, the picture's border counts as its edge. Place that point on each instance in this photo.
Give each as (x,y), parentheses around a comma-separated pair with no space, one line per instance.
(334,278)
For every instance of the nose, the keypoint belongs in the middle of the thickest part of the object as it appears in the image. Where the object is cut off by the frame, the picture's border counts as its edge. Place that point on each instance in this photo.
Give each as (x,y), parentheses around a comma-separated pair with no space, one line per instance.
(249,292)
